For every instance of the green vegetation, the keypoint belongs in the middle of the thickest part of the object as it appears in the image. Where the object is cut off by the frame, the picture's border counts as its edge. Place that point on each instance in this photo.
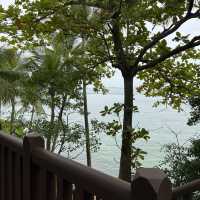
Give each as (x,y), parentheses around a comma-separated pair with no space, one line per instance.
(182,163)
(75,43)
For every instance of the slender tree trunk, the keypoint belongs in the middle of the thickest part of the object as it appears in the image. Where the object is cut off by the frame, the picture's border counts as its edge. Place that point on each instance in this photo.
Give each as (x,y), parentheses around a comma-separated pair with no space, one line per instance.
(0,108)
(0,115)
(12,117)
(32,116)
(64,135)
(125,160)
(86,121)
(51,130)
(60,116)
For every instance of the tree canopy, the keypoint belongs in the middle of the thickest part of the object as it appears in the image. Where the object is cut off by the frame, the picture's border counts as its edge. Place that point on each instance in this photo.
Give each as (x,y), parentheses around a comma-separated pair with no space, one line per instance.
(140,38)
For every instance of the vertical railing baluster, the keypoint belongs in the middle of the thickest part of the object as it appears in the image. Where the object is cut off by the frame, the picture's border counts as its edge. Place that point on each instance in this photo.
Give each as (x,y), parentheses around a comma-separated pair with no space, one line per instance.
(17,176)
(78,193)
(88,196)
(2,172)
(43,184)
(67,190)
(26,171)
(35,182)
(6,189)
(60,189)
(187,196)
(98,198)
(30,142)
(81,194)
(10,175)
(51,186)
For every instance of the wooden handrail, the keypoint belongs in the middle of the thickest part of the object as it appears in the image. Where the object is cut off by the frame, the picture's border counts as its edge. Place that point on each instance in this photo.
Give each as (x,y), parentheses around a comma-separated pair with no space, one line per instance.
(29,172)
(186,189)
(88,179)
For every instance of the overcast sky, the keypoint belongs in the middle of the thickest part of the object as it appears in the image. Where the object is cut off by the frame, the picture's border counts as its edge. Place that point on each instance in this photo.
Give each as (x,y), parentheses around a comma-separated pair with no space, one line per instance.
(5,3)
(193,27)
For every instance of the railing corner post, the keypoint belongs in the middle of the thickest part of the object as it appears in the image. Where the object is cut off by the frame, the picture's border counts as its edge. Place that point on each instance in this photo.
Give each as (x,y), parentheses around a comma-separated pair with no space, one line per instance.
(30,142)
(151,184)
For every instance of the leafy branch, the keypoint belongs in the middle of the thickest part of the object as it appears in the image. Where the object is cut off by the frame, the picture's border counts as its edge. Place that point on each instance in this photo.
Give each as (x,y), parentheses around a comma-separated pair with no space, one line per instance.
(166,32)
(193,43)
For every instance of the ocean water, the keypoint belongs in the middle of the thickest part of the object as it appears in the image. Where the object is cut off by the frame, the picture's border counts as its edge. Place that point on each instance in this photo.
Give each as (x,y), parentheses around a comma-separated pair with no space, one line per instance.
(161,122)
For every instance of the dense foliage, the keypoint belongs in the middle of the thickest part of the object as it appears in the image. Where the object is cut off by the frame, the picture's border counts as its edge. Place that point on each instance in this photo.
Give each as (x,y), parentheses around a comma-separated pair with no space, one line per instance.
(140,38)
(42,89)
(182,163)
(195,110)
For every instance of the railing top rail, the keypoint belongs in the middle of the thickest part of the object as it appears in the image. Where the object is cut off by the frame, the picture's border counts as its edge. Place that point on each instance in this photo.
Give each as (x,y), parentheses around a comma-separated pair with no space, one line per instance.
(186,189)
(11,142)
(89,179)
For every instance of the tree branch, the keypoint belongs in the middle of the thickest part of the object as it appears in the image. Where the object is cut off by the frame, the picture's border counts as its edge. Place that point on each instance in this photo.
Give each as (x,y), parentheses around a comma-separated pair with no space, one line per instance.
(71,3)
(118,46)
(157,38)
(107,47)
(193,43)
(116,14)
(96,4)
(190,6)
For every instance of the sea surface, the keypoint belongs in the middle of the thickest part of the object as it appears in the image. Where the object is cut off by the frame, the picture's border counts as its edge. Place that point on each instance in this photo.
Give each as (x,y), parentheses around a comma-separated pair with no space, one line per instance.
(163,123)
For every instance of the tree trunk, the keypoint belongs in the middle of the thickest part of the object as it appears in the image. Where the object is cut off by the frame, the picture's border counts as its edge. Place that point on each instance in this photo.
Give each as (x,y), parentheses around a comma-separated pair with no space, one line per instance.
(86,121)
(0,108)
(12,117)
(60,116)
(0,117)
(51,130)
(31,120)
(125,160)
(64,135)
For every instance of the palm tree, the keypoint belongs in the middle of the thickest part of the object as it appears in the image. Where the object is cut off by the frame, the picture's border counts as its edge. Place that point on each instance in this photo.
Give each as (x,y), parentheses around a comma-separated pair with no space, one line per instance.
(52,72)
(10,80)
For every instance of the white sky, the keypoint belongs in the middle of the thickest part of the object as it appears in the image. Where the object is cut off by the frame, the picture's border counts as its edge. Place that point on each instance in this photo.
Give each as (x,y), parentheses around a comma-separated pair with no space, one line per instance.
(5,3)
(192,27)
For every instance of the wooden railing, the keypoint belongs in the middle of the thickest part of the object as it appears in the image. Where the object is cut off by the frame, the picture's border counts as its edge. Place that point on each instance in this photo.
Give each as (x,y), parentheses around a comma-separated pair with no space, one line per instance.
(29,172)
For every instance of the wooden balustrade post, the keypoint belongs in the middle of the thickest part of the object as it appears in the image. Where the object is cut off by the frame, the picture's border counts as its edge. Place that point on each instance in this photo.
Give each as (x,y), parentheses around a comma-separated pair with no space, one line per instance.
(30,142)
(151,184)
(187,196)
